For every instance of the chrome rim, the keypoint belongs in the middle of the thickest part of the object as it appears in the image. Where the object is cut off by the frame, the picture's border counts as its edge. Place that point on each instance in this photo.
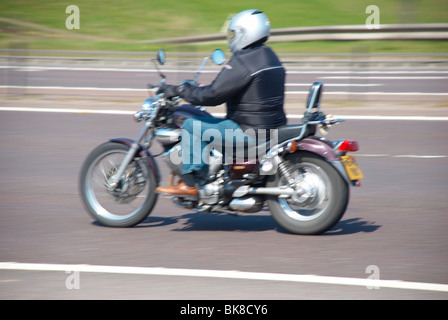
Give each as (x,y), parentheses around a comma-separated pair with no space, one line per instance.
(314,197)
(123,202)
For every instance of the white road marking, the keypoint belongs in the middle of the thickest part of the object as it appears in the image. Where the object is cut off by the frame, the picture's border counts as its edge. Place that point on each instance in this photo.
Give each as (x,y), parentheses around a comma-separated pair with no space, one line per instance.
(385,77)
(223,274)
(355,71)
(66,110)
(373,93)
(338,84)
(370,117)
(104,69)
(412,156)
(123,112)
(73,88)
(149,69)
(394,118)
(218,114)
(370,93)
(415,156)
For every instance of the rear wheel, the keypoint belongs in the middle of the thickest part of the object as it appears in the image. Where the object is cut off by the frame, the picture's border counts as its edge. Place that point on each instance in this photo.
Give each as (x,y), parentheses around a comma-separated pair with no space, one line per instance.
(319,205)
(125,205)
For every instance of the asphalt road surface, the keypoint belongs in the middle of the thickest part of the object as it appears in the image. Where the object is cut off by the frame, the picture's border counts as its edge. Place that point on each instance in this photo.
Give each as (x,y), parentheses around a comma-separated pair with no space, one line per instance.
(394,231)
(394,228)
(355,81)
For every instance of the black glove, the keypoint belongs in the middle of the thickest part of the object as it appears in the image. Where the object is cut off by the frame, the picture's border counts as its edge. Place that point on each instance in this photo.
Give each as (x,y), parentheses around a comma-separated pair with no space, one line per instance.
(169,90)
(185,86)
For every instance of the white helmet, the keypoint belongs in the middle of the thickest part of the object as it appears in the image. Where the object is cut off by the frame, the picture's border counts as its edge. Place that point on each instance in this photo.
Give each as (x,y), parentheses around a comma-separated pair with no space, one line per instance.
(246,28)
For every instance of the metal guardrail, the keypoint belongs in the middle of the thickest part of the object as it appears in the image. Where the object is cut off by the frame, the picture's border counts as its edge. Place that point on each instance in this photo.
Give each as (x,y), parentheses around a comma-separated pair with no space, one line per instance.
(430,31)
(192,60)
(358,57)
(433,31)
(79,53)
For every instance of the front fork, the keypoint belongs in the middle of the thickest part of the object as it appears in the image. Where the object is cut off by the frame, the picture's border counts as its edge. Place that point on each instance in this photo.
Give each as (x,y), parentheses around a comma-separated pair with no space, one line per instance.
(134,147)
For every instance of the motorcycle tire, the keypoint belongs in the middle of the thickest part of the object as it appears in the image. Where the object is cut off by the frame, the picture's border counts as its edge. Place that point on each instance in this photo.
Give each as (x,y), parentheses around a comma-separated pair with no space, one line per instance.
(110,207)
(321,206)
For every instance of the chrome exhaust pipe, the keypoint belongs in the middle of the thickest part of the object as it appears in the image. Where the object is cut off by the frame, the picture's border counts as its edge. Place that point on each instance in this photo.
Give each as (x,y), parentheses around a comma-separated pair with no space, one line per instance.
(274,191)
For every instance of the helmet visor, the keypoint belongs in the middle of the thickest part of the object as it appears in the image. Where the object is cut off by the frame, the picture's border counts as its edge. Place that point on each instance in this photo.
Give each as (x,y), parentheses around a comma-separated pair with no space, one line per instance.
(230,35)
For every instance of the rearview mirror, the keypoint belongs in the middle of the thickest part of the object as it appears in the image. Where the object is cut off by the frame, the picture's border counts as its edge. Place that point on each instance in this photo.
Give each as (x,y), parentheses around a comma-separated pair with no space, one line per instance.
(218,56)
(161,56)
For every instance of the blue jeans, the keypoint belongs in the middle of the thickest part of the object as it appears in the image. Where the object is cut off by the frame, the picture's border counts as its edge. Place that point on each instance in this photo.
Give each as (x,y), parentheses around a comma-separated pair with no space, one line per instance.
(201,134)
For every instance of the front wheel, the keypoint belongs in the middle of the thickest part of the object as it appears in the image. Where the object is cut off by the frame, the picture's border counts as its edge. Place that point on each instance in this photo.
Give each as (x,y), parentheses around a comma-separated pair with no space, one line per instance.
(124,205)
(321,202)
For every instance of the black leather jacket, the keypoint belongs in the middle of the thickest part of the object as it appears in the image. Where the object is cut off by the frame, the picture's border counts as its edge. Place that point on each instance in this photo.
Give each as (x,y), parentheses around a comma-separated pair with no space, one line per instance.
(253,85)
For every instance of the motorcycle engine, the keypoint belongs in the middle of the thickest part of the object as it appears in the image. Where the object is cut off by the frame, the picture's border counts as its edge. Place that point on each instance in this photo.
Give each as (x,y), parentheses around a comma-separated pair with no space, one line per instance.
(209,194)
(173,158)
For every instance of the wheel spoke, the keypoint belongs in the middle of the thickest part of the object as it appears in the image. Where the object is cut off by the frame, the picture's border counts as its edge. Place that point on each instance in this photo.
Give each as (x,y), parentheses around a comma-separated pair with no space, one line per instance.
(118,203)
(314,199)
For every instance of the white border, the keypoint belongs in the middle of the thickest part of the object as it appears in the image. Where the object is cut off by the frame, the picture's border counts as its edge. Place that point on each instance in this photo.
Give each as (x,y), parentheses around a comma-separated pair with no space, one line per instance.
(231,274)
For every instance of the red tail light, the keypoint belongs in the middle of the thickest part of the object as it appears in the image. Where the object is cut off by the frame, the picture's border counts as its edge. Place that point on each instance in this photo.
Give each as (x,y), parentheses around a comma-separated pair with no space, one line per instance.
(348,145)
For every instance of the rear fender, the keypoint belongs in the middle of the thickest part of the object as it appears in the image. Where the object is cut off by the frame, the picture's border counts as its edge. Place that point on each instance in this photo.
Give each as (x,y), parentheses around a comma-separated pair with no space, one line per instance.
(324,149)
(145,154)
(318,146)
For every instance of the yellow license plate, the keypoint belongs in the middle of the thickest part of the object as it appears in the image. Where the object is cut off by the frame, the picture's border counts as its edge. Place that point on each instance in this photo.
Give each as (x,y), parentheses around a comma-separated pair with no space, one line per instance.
(353,171)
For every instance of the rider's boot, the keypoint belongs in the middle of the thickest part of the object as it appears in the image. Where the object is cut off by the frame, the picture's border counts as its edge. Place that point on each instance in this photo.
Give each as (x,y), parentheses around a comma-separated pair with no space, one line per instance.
(180,189)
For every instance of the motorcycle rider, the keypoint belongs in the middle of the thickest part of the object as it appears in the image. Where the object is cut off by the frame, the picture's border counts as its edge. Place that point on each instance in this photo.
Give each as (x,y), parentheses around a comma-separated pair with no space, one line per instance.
(251,83)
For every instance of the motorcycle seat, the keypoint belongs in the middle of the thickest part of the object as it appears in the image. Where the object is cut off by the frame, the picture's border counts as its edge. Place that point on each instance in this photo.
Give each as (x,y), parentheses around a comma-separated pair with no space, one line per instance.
(284,133)
(289,131)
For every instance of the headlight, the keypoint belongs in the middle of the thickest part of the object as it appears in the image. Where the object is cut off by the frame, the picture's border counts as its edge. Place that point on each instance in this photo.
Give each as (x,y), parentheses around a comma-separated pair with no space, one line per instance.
(138,116)
(147,105)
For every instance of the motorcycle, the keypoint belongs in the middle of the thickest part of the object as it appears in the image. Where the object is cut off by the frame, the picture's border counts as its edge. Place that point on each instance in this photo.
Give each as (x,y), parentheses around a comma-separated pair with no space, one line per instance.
(304,179)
